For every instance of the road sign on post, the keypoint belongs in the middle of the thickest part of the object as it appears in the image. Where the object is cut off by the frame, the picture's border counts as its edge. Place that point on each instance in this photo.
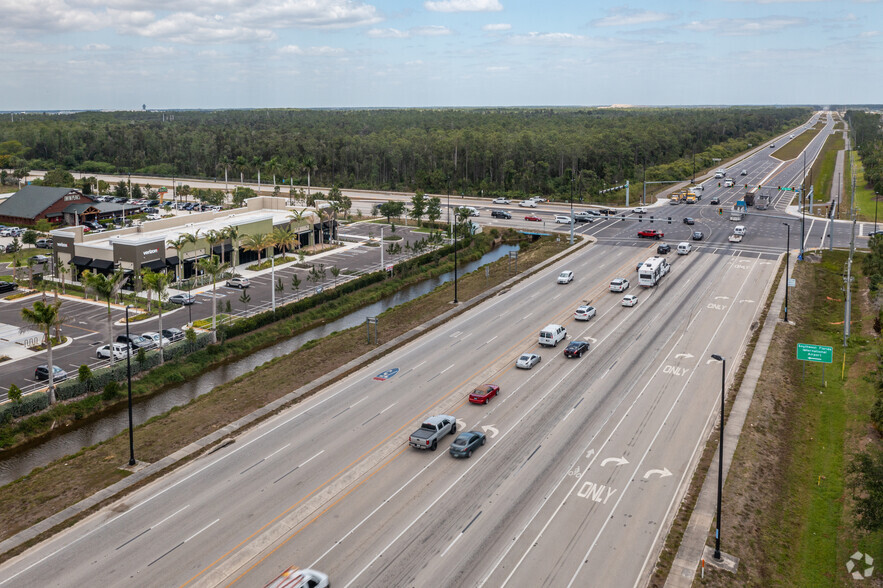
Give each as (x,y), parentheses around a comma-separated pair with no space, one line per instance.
(817,353)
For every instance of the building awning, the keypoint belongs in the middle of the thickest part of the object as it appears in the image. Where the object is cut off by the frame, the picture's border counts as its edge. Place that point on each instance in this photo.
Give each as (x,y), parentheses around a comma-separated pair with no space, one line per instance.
(101,264)
(155,265)
(216,250)
(81,261)
(172,261)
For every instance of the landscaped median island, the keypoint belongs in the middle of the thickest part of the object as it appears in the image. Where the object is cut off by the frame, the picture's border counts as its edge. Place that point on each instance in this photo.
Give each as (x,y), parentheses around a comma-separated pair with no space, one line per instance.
(51,489)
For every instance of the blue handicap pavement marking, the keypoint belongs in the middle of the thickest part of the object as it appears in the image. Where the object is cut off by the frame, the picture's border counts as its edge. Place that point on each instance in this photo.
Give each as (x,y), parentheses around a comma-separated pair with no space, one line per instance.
(387,374)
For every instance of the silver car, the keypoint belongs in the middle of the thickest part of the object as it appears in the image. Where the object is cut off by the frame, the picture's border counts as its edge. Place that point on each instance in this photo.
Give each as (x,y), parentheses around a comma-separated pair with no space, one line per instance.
(527,361)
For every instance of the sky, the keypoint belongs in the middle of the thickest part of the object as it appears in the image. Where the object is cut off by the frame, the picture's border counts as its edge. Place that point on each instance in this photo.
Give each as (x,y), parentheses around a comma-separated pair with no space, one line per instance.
(180,54)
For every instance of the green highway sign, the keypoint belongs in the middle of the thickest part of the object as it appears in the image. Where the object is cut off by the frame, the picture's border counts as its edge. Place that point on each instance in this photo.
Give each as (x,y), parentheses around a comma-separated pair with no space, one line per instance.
(818,353)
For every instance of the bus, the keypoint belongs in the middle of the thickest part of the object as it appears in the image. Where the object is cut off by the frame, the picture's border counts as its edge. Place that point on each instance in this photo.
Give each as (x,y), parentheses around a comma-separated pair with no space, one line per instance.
(652,271)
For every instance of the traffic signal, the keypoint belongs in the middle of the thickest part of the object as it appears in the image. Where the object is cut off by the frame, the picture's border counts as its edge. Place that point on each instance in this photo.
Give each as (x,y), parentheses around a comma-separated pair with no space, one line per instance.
(669,220)
(718,184)
(720,211)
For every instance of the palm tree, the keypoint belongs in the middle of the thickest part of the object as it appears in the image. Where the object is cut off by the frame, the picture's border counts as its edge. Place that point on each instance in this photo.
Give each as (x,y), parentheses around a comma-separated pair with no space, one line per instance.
(255,242)
(308,164)
(179,245)
(191,239)
(64,269)
(106,287)
(44,316)
(273,166)
(241,164)
(256,164)
(284,238)
(214,237)
(158,283)
(289,166)
(31,262)
(213,268)
(145,280)
(16,263)
(232,233)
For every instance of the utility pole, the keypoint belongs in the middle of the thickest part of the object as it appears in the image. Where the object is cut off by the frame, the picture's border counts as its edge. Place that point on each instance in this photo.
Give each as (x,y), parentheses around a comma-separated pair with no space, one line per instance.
(847,313)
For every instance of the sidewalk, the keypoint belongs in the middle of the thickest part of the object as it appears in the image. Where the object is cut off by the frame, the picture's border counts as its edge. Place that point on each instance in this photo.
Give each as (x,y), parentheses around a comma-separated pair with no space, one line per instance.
(690,552)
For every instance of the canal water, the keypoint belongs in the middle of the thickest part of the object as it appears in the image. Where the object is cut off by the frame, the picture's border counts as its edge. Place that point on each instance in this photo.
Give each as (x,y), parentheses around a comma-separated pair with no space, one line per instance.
(90,433)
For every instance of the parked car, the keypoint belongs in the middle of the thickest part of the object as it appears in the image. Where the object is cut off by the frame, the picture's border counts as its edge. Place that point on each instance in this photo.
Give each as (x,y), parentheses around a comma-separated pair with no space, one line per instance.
(7,286)
(576,349)
(153,336)
(565,277)
(527,361)
(466,443)
(43,243)
(562,219)
(619,285)
(501,201)
(483,394)
(137,342)
(39,258)
(42,373)
(185,299)
(584,312)
(698,235)
(12,248)
(689,221)
(500,214)
(173,334)
(528,204)
(532,217)
(238,283)
(663,248)
(629,300)
(120,350)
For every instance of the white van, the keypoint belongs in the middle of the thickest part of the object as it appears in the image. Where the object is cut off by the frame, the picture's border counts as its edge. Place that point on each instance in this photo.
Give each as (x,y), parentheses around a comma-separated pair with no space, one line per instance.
(552,334)
(471,210)
(739,230)
(297,578)
(684,248)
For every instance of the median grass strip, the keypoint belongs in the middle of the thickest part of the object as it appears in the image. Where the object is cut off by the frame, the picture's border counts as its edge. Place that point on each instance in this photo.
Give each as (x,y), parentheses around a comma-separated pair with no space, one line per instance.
(786,513)
(69,480)
(795,146)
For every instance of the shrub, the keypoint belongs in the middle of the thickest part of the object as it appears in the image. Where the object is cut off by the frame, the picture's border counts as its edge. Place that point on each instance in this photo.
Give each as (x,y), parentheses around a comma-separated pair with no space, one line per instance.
(111,391)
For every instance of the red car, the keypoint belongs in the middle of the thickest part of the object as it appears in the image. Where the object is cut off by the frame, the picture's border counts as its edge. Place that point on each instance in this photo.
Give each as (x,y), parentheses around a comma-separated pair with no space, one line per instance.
(484,393)
(531,217)
(650,234)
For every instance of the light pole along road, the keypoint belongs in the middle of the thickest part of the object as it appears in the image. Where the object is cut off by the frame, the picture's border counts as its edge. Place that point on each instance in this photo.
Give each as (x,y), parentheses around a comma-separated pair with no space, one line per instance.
(585,461)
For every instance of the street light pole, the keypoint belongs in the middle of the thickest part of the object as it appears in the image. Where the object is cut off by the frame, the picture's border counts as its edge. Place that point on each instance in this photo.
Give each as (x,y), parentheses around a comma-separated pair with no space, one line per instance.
(787,255)
(129,382)
(876,196)
(720,465)
(454,233)
(571,208)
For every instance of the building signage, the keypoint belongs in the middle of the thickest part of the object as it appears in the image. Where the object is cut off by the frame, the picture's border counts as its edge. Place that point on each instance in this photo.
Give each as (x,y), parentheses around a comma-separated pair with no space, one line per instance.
(61,245)
(149,252)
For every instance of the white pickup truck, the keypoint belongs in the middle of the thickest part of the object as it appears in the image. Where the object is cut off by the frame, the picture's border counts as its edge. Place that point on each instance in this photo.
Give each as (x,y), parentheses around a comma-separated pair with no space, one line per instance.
(432,430)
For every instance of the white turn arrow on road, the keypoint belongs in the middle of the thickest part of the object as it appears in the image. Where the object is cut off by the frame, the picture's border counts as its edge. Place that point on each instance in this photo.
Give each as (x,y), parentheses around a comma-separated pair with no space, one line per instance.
(663,473)
(493,431)
(721,297)
(748,301)
(590,454)
(617,460)
(683,356)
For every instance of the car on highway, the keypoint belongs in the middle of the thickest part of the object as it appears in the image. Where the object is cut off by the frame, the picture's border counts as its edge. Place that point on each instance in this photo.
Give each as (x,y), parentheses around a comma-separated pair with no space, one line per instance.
(735,238)
(432,430)
(173,334)
(641,210)
(533,217)
(583,217)
(663,248)
(744,172)
(565,277)
(7,286)
(576,349)
(684,248)
(698,235)
(295,577)
(629,300)
(619,285)
(42,373)
(137,342)
(501,201)
(500,214)
(772,145)
(155,337)
(650,234)
(120,351)
(183,298)
(466,443)
(562,219)
(483,394)
(238,282)
(715,200)
(527,361)
(584,312)
(528,203)
(592,212)
(689,221)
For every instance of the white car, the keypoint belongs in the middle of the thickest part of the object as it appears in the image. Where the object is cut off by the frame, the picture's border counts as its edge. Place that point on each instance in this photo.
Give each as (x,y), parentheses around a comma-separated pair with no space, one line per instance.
(565,277)
(154,216)
(629,300)
(527,361)
(735,238)
(155,338)
(641,210)
(238,282)
(584,313)
(119,351)
(562,219)
(528,204)
(501,201)
(619,285)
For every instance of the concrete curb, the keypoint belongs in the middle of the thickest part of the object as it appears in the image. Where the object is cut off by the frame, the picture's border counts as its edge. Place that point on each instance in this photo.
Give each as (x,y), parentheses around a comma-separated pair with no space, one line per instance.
(160,467)
(690,551)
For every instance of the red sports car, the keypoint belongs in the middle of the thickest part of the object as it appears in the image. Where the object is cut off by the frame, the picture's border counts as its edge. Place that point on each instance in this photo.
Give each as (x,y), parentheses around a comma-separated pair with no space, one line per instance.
(531,217)
(484,393)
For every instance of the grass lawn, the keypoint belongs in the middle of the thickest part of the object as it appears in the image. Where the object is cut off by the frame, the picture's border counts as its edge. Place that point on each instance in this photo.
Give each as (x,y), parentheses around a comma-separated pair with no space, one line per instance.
(864,196)
(795,146)
(24,254)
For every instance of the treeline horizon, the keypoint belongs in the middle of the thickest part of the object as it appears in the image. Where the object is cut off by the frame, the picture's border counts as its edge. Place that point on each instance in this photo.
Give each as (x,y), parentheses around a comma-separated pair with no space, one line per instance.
(500,151)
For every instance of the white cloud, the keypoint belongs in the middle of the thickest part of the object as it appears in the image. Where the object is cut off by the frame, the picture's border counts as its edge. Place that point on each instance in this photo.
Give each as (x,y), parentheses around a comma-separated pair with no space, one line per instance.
(622,17)
(496,27)
(496,68)
(463,5)
(745,26)
(387,34)
(308,14)
(868,34)
(323,51)
(430,31)
(194,29)
(96,47)
(159,51)
(426,31)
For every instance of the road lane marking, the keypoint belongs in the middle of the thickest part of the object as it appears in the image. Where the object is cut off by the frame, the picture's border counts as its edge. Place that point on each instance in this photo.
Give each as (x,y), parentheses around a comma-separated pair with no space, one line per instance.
(183,542)
(153,527)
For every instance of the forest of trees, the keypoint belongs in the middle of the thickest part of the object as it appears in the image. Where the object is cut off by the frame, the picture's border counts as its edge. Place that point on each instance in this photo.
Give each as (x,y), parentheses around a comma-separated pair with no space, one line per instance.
(868,137)
(472,151)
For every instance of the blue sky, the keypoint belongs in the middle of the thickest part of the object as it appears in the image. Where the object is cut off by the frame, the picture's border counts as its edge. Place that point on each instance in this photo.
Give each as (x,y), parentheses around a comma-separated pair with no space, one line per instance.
(93,54)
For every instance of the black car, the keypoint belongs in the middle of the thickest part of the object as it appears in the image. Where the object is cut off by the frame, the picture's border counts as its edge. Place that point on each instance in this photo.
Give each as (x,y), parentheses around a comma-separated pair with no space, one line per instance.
(137,342)
(698,236)
(42,373)
(8,286)
(663,248)
(466,443)
(583,217)
(12,248)
(500,214)
(689,221)
(173,334)
(576,349)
